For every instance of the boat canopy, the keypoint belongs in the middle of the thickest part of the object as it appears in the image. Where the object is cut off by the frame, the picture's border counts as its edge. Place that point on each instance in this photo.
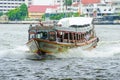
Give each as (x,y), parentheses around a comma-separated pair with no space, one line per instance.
(78,21)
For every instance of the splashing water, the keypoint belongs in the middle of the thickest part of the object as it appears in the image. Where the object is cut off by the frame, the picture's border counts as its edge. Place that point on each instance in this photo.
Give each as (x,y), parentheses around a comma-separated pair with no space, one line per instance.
(104,49)
(15,46)
(18,52)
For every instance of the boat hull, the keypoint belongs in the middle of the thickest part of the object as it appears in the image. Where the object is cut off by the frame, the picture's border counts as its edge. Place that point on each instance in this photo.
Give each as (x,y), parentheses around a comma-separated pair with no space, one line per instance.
(39,46)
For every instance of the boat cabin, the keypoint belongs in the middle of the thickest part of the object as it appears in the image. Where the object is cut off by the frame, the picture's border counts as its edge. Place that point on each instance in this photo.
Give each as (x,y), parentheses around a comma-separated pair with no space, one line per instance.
(60,34)
(71,31)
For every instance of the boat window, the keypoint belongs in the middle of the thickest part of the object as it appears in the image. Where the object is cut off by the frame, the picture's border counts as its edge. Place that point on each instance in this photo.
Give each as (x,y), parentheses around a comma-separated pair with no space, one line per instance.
(41,35)
(82,36)
(70,36)
(65,35)
(32,36)
(60,36)
(52,36)
(77,36)
(44,36)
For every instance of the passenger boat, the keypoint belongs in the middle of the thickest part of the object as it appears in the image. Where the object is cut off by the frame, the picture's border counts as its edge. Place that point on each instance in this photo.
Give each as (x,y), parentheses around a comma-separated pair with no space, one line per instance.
(58,38)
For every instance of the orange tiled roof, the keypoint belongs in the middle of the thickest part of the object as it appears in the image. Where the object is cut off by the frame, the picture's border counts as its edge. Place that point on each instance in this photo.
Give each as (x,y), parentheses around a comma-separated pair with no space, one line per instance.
(39,8)
(90,1)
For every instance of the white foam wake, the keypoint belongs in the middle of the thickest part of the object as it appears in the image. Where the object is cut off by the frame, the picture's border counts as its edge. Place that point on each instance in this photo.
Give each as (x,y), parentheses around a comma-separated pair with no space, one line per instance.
(17,52)
(104,49)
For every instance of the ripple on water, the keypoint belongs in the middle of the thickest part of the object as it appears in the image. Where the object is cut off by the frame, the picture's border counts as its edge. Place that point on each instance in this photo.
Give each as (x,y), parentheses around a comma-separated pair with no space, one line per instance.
(102,63)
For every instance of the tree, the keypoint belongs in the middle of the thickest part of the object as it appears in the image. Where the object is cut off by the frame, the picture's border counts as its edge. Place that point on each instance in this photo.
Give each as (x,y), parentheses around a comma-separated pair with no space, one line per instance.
(13,14)
(68,3)
(18,13)
(23,11)
(1,13)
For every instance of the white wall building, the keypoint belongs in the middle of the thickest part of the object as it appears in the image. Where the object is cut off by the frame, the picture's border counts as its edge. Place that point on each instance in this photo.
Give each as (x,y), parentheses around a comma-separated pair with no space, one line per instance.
(105,7)
(58,2)
(6,5)
(116,5)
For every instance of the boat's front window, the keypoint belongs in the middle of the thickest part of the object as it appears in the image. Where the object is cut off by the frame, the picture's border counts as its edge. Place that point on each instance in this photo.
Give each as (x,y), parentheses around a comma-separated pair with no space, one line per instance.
(41,35)
(31,36)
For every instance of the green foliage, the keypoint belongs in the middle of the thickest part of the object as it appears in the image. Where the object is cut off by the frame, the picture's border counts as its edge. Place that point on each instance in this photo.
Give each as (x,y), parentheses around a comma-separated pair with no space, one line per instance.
(18,13)
(68,2)
(76,14)
(1,13)
(43,17)
(57,16)
(23,11)
(63,15)
(83,15)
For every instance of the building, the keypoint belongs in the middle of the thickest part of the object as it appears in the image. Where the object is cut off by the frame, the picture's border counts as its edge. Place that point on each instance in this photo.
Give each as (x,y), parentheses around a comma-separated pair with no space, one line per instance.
(99,8)
(58,2)
(43,2)
(116,5)
(37,11)
(91,8)
(6,5)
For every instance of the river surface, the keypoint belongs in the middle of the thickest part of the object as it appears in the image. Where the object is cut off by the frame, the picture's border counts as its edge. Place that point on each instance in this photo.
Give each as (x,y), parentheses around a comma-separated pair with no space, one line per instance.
(102,63)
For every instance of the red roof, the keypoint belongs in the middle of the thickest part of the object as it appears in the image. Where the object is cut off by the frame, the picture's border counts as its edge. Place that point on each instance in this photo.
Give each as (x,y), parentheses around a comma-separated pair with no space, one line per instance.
(39,8)
(90,1)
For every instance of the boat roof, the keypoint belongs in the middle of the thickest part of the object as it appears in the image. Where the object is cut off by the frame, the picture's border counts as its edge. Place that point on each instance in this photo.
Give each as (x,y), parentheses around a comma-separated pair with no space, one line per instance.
(82,24)
(80,21)
(57,28)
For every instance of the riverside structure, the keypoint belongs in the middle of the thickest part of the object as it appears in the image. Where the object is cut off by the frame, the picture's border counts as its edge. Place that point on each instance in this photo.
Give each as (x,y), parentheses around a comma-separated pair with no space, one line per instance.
(6,5)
